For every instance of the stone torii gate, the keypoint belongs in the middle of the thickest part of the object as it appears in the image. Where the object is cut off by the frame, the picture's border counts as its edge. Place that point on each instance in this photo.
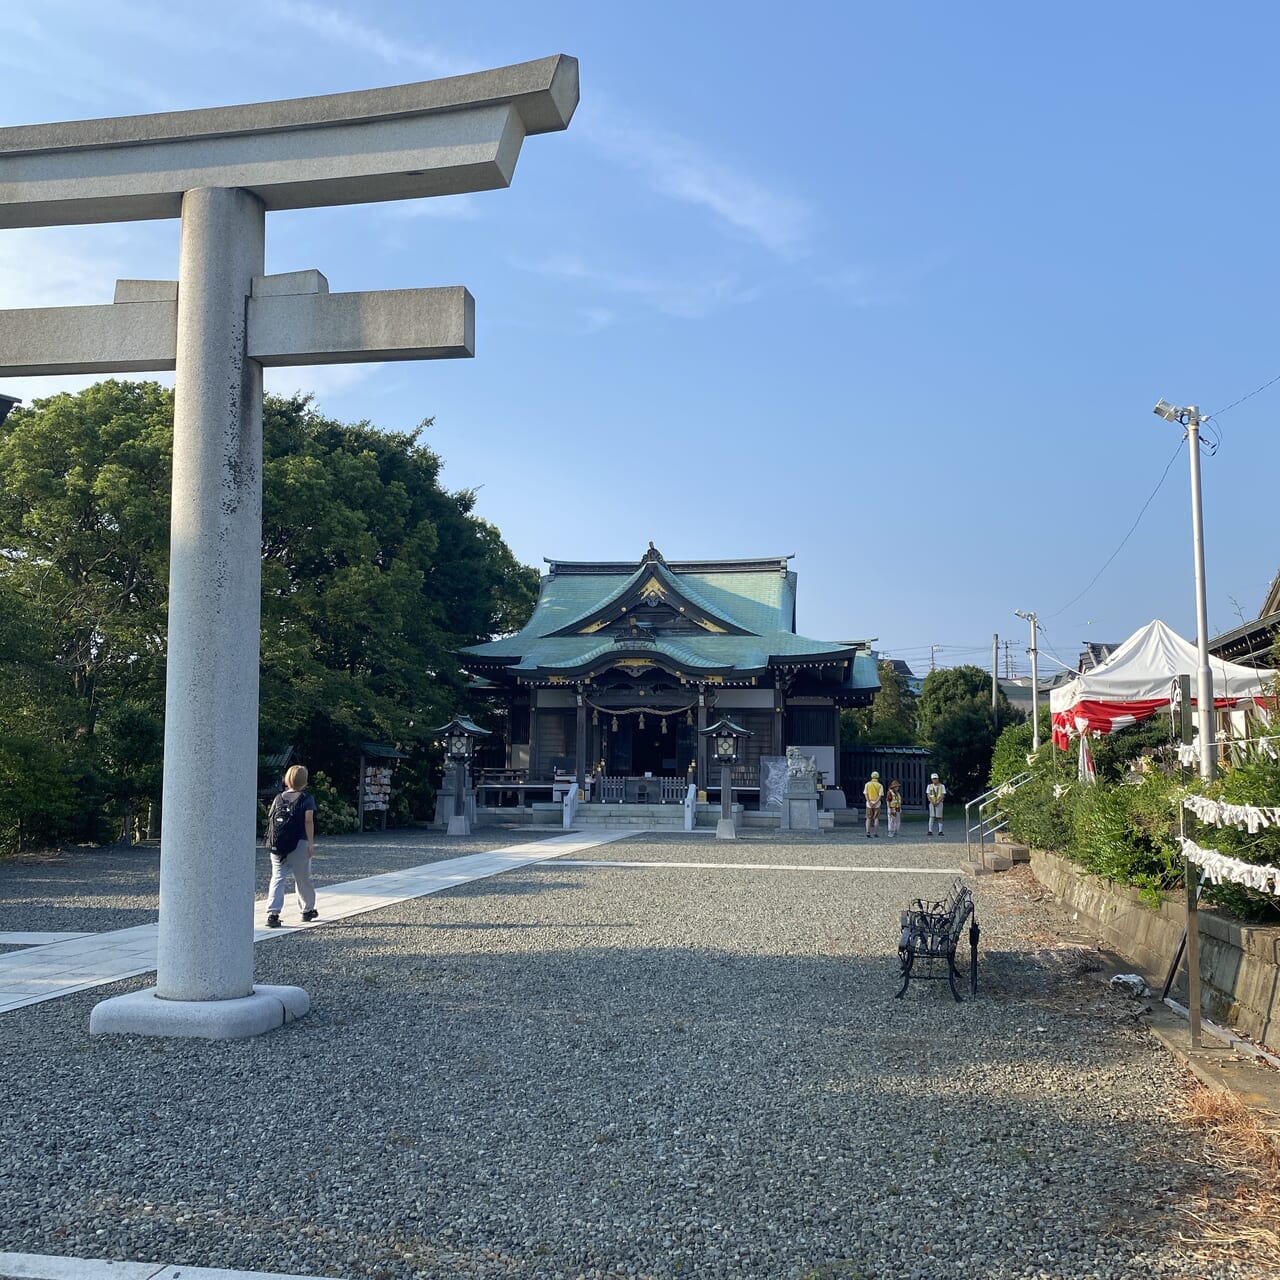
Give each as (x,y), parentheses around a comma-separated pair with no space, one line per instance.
(221,170)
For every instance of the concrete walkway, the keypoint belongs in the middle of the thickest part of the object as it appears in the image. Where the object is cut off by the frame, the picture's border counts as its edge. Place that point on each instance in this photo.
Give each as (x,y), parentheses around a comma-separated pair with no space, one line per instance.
(56,964)
(42,1266)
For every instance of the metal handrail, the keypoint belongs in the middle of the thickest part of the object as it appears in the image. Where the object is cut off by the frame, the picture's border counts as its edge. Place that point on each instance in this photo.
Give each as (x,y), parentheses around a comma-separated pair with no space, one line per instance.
(990,818)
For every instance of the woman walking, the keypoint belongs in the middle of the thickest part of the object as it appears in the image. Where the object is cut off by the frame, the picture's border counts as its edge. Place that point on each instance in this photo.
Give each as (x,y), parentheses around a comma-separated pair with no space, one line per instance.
(291,838)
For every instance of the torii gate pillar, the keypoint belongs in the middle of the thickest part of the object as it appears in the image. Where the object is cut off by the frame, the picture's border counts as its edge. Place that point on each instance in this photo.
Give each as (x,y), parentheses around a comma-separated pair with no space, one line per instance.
(215,588)
(221,171)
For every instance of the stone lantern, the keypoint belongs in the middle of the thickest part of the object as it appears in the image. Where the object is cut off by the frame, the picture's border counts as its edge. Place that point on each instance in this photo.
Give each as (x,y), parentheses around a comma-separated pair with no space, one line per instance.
(459,740)
(727,739)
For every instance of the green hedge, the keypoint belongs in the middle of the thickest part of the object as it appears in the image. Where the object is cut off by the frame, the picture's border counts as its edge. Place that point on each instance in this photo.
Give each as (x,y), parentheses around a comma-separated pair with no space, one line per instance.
(1127,830)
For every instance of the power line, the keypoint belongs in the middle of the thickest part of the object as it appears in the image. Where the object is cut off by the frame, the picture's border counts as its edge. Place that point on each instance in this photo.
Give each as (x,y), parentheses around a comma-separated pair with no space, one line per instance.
(1242,399)
(1159,484)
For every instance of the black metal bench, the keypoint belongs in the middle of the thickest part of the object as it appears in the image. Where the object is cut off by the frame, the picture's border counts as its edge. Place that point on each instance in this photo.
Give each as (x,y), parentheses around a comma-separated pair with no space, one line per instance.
(931,931)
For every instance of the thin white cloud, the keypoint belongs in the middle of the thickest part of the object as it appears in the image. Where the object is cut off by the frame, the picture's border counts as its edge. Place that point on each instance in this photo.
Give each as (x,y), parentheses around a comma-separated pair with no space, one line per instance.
(885,285)
(853,287)
(321,380)
(687,299)
(459,208)
(336,28)
(597,318)
(51,268)
(96,85)
(682,170)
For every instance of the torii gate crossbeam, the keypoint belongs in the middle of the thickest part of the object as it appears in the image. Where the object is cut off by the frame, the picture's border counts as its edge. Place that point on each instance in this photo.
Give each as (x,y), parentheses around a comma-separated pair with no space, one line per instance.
(221,170)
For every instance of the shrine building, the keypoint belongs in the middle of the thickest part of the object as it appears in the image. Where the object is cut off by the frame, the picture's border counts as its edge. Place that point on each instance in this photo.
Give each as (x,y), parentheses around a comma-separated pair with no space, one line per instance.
(622,664)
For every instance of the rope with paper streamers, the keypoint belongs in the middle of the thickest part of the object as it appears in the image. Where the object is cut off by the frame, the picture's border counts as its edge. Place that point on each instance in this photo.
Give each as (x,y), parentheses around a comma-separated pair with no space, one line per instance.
(1244,817)
(1218,867)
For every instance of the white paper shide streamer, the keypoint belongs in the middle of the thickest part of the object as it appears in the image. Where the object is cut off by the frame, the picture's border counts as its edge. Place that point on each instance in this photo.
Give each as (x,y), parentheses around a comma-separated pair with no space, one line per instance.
(1244,817)
(1218,867)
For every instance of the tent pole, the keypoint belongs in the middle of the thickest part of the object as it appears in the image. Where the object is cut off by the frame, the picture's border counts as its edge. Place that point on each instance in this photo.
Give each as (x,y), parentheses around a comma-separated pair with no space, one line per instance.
(1193,943)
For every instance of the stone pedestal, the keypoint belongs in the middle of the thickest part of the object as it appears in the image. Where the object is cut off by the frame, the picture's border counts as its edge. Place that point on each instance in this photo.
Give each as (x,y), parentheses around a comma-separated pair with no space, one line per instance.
(445,816)
(800,806)
(145,1013)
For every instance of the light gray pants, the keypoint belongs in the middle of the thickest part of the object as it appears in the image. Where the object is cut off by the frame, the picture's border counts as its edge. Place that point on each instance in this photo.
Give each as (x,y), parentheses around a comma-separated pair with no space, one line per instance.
(299,865)
(935,815)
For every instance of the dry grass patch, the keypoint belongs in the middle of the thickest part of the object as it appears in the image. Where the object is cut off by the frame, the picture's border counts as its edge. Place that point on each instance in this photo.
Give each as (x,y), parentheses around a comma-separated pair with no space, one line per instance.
(1239,1215)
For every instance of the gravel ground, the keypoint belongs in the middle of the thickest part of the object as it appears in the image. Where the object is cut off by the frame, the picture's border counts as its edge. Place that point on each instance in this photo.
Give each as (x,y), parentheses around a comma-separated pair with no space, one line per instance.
(92,890)
(573,1071)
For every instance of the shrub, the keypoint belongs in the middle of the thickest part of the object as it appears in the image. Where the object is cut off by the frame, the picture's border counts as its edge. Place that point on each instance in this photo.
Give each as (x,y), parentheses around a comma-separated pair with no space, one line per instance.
(334,816)
(1129,834)
(1040,813)
(1009,758)
(1113,753)
(1255,782)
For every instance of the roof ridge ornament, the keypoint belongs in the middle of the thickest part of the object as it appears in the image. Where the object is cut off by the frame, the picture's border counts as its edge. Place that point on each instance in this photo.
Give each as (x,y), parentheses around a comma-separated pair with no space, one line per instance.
(652,556)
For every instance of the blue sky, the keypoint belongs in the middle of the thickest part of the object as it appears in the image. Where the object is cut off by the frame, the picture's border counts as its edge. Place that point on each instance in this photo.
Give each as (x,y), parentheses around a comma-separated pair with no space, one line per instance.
(892,288)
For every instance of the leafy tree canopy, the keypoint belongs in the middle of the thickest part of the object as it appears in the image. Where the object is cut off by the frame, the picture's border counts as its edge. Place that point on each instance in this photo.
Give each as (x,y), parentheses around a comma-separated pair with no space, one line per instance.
(891,717)
(373,576)
(957,723)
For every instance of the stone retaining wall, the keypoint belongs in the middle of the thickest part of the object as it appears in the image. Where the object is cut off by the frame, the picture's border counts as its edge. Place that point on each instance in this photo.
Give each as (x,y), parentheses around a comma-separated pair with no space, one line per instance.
(1239,964)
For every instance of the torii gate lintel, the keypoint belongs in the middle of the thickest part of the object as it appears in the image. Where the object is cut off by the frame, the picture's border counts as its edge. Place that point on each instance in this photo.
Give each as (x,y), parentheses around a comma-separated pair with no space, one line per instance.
(293,319)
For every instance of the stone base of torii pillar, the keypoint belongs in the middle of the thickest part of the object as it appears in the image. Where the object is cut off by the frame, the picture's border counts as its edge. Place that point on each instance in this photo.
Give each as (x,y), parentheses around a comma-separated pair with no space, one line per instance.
(222,170)
(146,1013)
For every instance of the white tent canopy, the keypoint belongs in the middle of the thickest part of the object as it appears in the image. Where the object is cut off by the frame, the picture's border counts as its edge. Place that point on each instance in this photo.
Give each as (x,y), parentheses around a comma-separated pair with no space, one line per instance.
(1140,678)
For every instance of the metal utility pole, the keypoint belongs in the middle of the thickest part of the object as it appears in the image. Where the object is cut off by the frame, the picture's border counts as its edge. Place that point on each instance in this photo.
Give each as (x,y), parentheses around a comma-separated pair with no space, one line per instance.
(933,649)
(995,678)
(1190,418)
(1035,680)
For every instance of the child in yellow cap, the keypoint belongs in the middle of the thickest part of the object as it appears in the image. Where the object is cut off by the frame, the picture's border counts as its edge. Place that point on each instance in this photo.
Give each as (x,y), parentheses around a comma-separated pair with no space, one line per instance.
(893,802)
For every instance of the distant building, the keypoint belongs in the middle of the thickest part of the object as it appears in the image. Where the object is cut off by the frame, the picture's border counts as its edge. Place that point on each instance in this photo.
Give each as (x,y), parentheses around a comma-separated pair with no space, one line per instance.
(1251,643)
(911,682)
(1094,654)
(1018,691)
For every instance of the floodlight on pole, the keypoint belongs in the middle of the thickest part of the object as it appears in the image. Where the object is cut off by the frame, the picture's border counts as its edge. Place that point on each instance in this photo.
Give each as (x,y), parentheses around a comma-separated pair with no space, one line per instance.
(1190,418)
(1035,678)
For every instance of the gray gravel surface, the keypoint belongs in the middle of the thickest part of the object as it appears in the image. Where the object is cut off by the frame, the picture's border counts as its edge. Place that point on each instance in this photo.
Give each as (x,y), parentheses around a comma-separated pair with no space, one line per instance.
(91,890)
(588,1071)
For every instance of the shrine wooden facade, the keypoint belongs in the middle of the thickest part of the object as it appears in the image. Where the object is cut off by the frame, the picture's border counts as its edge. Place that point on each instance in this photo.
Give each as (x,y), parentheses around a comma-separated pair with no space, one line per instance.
(622,664)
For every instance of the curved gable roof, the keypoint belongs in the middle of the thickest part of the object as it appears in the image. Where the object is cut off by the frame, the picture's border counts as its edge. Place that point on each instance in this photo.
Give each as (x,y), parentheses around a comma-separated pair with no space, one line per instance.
(746,607)
(680,592)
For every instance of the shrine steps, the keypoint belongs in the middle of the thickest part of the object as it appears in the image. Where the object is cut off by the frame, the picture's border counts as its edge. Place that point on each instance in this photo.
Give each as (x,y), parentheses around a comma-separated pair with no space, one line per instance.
(653,817)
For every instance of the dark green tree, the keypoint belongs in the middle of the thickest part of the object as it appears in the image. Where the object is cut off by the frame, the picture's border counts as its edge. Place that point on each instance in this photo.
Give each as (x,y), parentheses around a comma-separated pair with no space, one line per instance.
(37,740)
(84,541)
(891,718)
(130,742)
(959,726)
(84,532)
(373,577)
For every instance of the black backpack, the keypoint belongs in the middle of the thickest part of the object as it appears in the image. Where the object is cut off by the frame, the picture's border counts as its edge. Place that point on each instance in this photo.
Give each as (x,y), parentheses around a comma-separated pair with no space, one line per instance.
(286,824)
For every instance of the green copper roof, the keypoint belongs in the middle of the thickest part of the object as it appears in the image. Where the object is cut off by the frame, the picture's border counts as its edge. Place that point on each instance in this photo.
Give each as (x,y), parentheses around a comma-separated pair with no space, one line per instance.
(738,619)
